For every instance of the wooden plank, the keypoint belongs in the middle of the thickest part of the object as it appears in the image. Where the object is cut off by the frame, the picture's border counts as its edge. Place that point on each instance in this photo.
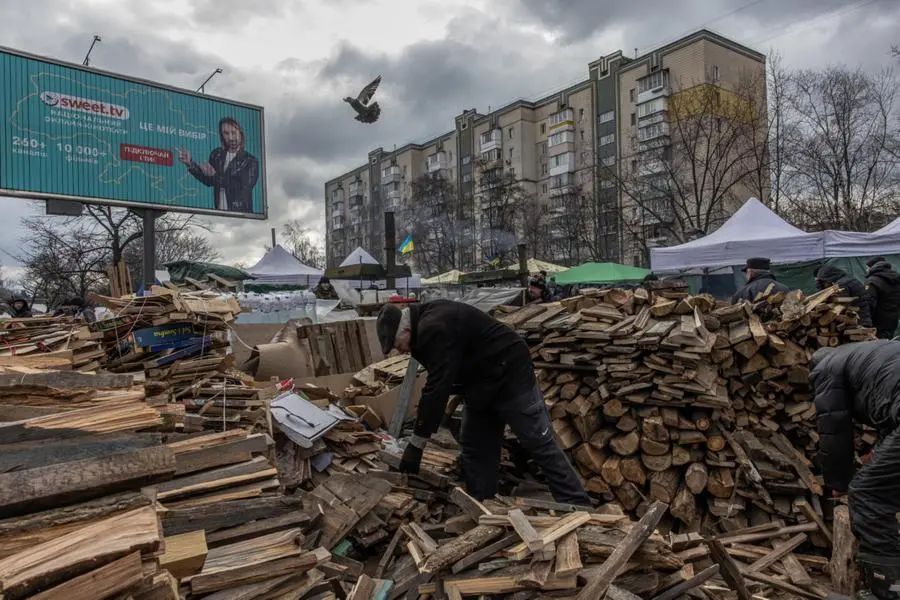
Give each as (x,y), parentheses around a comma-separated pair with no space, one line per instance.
(568,558)
(810,513)
(842,566)
(779,551)
(53,562)
(471,541)
(231,452)
(479,555)
(103,582)
(30,455)
(730,571)
(469,505)
(227,514)
(253,572)
(404,398)
(53,485)
(256,528)
(185,554)
(596,586)
(676,591)
(528,534)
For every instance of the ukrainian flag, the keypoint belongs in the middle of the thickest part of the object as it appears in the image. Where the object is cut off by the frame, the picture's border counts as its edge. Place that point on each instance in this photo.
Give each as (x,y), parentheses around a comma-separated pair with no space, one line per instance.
(407,246)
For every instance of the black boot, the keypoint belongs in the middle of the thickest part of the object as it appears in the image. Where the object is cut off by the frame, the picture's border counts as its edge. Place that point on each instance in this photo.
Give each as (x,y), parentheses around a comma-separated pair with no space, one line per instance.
(882,581)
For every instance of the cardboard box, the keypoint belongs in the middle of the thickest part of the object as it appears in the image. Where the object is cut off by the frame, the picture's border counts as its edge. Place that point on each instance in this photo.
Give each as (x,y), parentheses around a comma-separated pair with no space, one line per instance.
(382,405)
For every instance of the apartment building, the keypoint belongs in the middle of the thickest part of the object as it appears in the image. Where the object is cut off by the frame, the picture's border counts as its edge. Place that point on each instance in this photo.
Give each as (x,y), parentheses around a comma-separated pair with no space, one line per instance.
(576,158)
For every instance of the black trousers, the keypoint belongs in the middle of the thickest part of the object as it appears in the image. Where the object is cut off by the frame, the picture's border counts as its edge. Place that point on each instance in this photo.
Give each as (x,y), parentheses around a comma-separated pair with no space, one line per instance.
(481,437)
(874,499)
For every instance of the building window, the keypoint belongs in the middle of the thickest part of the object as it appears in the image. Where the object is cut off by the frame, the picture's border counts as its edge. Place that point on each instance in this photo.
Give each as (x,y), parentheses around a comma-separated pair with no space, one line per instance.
(543,128)
(560,137)
(607,184)
(466,160)
(544,188)
(467,177)
(585,158)
(607,139)
(608,161)
(652,107)
(509,133)
(607,116)
(582,135)
(580,114)
(653,81)
(544,169)
(631,94)
(715,73)
(560,160)
(561,117)
(510,152)
(633,118)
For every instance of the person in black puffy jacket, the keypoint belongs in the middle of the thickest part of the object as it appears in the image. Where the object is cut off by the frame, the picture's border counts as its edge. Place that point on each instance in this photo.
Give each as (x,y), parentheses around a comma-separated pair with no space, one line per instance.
(860,383)
(19,309)
(461,346)
(883,285)
(758,280)
(828,275)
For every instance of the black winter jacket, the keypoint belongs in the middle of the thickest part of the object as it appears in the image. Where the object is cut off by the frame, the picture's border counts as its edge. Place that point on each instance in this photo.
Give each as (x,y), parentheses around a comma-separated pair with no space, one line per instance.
(853,383)
(459,344)
(883,283)
(757,285)
(850,286)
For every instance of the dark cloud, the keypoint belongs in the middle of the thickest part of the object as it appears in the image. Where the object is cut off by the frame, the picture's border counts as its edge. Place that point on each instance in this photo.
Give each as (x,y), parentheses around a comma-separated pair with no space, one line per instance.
(578,19)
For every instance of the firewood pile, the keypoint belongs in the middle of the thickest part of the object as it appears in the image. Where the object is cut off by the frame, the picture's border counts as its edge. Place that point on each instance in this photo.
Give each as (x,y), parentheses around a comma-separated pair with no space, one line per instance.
(49,342)
(681,399)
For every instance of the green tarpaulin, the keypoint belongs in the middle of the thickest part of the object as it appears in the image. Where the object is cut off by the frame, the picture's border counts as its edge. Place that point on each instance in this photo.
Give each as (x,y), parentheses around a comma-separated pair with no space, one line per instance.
(600,273)
(197,270)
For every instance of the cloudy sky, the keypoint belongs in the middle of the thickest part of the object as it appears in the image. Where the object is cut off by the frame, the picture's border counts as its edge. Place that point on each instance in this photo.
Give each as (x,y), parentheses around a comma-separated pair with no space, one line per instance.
(298,58)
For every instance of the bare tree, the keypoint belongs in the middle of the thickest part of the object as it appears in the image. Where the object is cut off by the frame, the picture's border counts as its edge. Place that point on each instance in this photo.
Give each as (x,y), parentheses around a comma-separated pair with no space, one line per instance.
(301,244)
(65,257)
(691,170)
(533,221)
(844,170)
(437,223)
(501,195)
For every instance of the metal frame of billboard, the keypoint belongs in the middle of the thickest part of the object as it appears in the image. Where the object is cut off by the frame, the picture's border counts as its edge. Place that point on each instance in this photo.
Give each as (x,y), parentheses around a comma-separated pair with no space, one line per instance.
(148,205)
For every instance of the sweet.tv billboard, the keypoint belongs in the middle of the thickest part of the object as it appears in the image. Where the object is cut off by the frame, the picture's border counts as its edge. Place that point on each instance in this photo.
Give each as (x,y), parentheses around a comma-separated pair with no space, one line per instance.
(72,133)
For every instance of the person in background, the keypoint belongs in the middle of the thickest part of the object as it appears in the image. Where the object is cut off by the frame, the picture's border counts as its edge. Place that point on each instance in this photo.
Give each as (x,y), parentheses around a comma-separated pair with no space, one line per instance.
(829,275)
(853,384)
(325,291)
(759,278)
(19,308)
(491,363)
(883,285)
(77,308)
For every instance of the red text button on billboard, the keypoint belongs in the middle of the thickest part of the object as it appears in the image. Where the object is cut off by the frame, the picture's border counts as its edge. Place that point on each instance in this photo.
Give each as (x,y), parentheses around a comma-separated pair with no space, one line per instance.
(144,154)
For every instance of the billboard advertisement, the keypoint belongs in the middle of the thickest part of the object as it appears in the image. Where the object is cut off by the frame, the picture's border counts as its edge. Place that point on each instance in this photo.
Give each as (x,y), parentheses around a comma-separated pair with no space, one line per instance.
(74,133)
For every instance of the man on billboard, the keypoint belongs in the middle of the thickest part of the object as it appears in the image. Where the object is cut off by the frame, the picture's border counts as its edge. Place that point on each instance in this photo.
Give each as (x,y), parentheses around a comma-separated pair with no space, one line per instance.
(231,171)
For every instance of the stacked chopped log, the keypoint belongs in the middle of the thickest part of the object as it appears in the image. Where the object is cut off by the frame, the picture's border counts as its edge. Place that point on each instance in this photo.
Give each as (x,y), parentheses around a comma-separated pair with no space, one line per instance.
(687,401)
(103,508)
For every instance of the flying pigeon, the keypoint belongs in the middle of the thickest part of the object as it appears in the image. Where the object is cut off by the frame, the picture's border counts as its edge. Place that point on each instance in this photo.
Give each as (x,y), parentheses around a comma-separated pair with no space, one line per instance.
(365,112)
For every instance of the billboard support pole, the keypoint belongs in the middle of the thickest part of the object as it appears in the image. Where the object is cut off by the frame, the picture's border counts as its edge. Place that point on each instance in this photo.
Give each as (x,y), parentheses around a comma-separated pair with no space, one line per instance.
(149,217)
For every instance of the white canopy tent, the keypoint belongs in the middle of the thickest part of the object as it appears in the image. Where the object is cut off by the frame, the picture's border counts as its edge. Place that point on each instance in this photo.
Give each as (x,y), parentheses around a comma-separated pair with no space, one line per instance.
(280,267)
(754,230)
(361,257)
(854,243)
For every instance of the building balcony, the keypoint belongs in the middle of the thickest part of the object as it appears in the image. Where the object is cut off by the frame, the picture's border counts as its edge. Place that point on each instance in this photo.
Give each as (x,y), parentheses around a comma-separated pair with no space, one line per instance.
(663,91)
(337,223)
(563,166)
(562,190)
(437,162)
(563,120)
(491,140)
(390,174)
(355,189)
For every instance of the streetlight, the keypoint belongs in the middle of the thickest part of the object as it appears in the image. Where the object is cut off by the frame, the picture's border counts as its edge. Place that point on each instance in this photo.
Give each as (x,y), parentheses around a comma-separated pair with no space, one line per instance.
(202,88)
(87,57)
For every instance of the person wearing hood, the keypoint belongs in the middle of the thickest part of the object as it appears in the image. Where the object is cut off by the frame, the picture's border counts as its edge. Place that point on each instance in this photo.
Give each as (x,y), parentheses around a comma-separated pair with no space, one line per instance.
(19,308)
(324,290)
(759,278)
(829,275)
(883,284)
(461,346)
(860,383)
